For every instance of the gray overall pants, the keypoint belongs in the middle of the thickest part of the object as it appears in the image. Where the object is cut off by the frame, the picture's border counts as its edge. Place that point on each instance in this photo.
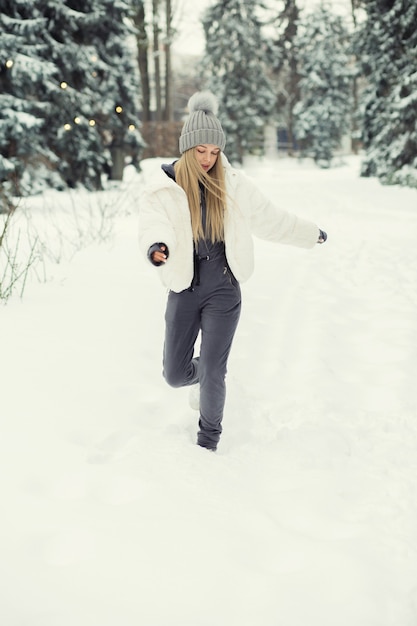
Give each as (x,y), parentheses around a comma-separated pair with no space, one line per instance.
(211,305)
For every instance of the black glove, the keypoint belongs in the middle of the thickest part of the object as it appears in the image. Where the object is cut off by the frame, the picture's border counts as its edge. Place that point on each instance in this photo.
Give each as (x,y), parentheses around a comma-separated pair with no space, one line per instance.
(156,247)
(322,237)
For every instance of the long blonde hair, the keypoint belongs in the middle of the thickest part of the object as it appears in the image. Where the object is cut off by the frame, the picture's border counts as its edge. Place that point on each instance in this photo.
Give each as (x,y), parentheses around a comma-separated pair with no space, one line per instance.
(188,174)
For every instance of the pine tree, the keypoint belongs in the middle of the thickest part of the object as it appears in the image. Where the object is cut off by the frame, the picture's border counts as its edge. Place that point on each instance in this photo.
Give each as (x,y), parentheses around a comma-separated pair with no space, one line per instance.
(323,112)
(69,87)
(284,60)
(96,108)
(235,62)
(26,77)
(387,47)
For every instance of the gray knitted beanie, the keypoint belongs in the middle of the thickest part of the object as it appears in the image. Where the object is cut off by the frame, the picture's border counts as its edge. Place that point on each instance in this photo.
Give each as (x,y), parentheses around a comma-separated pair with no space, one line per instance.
(202,125)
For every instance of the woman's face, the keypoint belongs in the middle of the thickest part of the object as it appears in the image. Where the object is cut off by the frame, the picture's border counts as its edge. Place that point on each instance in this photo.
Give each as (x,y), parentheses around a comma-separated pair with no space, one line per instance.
(207,154)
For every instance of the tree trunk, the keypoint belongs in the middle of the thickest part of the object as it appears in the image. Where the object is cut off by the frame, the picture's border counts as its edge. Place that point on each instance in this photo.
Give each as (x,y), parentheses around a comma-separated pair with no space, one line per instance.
(142,46)
(168,69)
(118,162)
(355,140)
(157,60)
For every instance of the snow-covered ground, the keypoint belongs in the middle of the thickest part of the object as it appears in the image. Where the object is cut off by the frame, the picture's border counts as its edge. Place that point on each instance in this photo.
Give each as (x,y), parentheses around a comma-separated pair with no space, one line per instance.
(306,516)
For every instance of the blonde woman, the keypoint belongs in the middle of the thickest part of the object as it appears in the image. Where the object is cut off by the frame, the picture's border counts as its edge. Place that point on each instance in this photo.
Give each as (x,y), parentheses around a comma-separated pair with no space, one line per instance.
(197,219)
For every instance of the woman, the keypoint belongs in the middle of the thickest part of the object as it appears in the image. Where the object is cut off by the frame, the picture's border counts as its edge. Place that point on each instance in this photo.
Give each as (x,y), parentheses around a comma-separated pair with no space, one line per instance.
(196,225)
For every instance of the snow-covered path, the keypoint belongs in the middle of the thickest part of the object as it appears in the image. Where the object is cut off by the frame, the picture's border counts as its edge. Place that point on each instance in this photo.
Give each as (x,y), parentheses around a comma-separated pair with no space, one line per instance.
(307,515)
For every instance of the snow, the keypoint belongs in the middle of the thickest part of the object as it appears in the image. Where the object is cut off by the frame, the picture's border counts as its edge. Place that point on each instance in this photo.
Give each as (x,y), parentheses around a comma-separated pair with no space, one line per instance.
(306,515)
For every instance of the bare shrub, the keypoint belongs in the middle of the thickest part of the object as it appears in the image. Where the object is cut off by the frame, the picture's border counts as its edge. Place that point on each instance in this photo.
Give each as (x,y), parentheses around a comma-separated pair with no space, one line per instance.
(52,228)
(19,250)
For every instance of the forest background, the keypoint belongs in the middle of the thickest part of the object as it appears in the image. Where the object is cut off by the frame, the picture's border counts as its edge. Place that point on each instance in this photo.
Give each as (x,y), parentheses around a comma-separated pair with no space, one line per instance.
(89,86)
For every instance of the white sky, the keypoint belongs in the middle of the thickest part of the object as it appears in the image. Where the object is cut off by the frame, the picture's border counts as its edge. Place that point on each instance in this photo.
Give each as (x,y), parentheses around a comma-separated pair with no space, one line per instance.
(190,38)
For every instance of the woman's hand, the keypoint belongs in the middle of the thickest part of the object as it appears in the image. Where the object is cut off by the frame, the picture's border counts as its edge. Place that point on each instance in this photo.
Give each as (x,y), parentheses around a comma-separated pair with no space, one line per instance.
(159,256)
(158,253)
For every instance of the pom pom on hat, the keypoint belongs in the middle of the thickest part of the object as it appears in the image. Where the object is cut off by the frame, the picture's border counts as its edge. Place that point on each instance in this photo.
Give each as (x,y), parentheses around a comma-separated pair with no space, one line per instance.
(203,101)
(202,125)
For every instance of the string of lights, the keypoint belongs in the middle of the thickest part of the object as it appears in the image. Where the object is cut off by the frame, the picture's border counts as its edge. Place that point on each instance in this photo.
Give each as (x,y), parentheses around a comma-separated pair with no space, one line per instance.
(9,63)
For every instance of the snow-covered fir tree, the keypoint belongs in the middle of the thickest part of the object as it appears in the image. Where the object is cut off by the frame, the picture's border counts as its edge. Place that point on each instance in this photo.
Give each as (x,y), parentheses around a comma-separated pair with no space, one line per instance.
(27,78)
(235,64)
(69,92)
(96,108)
(322,116)
(284,62)
(387,49)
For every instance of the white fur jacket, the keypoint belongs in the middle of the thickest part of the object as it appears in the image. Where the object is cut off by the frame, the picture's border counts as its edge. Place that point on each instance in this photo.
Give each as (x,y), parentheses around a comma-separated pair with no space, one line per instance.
(164,217)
